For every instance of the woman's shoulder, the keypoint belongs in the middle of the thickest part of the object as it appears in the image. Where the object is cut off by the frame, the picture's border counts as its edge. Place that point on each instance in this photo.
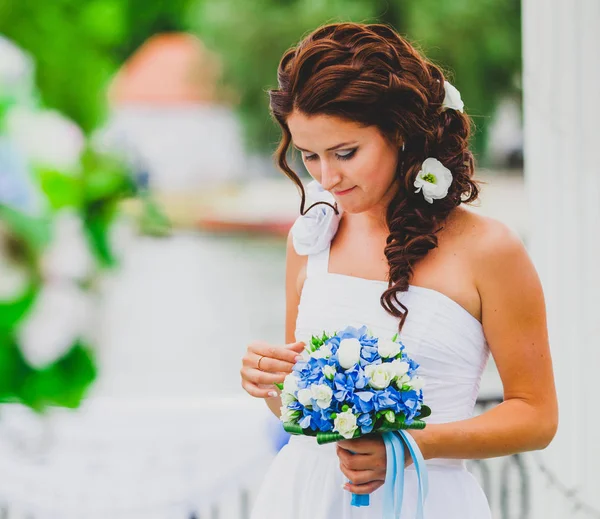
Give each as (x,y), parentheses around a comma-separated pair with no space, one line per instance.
(483,234)
(492,245)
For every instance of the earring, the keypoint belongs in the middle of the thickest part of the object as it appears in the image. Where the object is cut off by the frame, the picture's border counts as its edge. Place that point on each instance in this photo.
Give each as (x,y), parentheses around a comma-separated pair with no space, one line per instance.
(403,144)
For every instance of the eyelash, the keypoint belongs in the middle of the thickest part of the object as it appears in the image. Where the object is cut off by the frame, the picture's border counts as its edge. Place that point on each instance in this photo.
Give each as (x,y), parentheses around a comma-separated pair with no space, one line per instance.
(348,156)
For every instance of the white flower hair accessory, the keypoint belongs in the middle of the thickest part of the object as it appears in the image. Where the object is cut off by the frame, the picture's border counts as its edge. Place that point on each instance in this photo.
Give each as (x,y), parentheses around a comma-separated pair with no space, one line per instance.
(434,179)
(313,232)
(452,99)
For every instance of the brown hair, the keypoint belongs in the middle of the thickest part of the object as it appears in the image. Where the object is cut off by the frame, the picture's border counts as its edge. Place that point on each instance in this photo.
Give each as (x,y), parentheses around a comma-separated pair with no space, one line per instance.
(369,74)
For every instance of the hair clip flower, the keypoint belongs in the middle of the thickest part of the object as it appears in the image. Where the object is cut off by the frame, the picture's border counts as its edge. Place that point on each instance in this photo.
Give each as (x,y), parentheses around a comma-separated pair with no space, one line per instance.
(434,179)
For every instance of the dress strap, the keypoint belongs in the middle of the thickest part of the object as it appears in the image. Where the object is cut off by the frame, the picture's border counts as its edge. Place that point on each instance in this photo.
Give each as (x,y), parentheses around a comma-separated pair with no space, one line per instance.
(318,263)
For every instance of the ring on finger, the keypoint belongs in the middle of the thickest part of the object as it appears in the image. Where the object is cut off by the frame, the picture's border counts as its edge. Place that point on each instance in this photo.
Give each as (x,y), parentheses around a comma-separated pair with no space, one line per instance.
(258,365)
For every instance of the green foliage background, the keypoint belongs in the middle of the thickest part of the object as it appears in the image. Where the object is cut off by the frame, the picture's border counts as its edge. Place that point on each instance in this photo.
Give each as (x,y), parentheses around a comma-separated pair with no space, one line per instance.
(79,45)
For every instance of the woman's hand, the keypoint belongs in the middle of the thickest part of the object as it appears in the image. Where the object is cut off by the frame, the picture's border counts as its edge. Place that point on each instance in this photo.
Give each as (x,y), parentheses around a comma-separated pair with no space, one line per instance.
(367,467)
(265,364)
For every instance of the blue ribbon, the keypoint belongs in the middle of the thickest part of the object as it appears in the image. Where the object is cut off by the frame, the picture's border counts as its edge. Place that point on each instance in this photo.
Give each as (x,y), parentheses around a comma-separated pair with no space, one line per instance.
(393,488)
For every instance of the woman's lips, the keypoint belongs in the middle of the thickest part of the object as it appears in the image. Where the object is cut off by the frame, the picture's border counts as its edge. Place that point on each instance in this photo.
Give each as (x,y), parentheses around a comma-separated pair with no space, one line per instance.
(340,193)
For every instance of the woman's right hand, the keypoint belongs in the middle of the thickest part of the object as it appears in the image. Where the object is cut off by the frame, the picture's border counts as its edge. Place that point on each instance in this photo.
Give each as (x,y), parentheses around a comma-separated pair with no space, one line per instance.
(265,364)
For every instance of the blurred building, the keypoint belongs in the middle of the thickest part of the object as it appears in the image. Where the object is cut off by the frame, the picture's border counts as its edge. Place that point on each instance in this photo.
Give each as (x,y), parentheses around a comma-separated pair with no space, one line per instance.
(171,117)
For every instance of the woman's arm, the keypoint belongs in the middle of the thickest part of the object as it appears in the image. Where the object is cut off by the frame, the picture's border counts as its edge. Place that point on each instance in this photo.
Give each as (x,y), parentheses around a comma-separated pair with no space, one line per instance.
(514,322)
(295,274)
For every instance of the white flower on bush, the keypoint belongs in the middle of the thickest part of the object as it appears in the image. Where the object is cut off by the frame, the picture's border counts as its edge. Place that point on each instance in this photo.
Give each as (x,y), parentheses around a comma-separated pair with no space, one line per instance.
(399,367)
(380,375)
(305,397)
(434,179)
(290,383)
(329,372)
(452,98)
(322,395)
(68,256)
(60,315)
(345,424)
(348,353)
(417,383)
(313,232)
(324,352)
(46,137)
(388,348)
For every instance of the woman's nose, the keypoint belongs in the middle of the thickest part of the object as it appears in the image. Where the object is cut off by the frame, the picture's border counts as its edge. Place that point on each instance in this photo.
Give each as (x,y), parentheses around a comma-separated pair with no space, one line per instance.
(330,175)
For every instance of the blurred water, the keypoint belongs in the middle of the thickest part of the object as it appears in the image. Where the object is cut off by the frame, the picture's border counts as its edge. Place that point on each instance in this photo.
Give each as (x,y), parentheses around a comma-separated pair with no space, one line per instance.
(180,312)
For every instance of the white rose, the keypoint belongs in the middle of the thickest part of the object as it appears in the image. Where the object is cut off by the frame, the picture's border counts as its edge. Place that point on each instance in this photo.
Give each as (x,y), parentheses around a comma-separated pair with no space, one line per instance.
(345,424)
(349,353)
(287,415)
(399,367)
(313,232)
(290,383)
(60,316)
(404,379)
(434,179)
(329,372)
(287,398)
(305,397)
(388,348)
(417,383)
(68,256)
(322,395)
(452,98)
(324,352)
(379,375)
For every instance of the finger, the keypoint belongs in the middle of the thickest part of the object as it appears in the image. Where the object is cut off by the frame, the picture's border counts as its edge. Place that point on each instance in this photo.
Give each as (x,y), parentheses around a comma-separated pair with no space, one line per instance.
(365,445)
(275,352)
(298,347)
(361,477)
(267,364)
(361,461)
(256,376)
(258,392)
(367,488)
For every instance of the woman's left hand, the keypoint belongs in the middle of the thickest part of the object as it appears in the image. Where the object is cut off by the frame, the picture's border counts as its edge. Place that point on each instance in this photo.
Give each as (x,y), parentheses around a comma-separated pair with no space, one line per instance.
(366,468)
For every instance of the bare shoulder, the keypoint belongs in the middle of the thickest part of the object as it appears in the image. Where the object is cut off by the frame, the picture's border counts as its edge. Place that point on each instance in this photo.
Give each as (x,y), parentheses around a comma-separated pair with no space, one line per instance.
(488,240)
(503,272)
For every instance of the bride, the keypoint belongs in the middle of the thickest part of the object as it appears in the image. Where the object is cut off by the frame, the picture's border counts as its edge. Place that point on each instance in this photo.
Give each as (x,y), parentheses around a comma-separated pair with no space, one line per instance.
(390,245)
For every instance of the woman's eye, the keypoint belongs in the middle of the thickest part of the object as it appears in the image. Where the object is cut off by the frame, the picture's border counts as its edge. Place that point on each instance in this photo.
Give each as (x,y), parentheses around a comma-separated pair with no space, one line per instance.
(310,157)
(346,155)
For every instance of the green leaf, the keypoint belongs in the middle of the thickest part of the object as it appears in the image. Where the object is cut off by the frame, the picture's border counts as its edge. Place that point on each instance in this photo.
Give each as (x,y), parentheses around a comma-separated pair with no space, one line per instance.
(424,412)
(12,312)
(61,190)
(63,383)
(279,386)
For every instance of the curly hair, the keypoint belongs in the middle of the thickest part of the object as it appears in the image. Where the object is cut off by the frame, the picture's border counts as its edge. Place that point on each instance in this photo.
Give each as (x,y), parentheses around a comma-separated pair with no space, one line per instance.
(369,74)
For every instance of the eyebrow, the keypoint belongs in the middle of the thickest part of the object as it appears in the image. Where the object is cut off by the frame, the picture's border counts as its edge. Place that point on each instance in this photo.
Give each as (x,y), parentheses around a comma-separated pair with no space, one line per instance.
(336,147)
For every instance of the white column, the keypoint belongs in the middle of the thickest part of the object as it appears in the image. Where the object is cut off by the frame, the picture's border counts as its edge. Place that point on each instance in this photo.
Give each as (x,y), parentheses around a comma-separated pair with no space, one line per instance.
(561,53)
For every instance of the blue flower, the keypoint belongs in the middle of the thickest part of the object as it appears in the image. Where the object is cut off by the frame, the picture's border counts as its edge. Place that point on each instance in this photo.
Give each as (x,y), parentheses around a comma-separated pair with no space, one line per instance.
(365,423)
(363,401)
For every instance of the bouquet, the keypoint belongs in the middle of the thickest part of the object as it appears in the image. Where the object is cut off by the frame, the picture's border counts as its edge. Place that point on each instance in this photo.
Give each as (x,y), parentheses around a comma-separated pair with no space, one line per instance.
(351,384)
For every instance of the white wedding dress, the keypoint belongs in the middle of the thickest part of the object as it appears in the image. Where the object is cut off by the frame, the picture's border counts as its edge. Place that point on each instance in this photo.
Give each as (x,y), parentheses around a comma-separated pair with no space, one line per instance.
(304,480)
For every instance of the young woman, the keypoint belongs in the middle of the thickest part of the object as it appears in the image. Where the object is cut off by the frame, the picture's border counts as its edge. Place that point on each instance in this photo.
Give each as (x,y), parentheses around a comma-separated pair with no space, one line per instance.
(384,135)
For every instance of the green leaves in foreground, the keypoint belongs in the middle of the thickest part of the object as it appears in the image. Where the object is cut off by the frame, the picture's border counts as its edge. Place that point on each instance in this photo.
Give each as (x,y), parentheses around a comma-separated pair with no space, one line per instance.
(62,383)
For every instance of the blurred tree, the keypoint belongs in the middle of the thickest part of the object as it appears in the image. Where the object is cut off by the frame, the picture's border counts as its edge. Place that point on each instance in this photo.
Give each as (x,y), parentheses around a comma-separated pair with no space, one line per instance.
(78,45)
(479,41)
